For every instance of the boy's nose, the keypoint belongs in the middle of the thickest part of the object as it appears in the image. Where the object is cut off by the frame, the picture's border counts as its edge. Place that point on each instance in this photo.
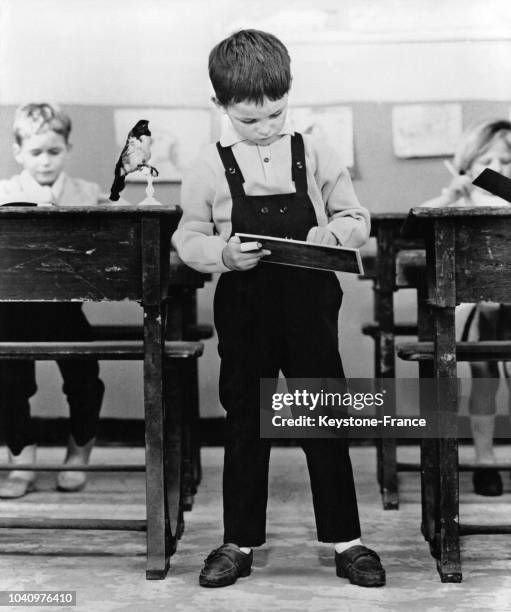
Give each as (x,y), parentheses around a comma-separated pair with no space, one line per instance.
(264,130)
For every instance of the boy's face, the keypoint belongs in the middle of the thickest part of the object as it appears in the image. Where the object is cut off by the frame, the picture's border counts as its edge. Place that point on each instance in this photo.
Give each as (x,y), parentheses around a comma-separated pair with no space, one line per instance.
(43,156)
(260,124)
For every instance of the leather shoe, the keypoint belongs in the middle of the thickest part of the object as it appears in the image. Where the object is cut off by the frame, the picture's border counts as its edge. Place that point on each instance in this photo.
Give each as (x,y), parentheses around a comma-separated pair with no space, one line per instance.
(224,565)
(487,481)
(361,566)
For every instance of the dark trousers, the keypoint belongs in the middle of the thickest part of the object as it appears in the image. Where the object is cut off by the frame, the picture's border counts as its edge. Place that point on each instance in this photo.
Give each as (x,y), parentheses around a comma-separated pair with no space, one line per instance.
(267,320)
(84,389)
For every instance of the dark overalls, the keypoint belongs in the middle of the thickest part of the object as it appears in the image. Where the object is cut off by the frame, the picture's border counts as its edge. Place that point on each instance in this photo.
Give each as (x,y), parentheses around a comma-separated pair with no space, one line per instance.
(47,321)
(268,319)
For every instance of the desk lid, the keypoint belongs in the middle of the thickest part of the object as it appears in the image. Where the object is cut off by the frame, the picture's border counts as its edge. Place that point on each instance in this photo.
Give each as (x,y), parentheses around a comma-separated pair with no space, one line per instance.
(22,209)
(420,217)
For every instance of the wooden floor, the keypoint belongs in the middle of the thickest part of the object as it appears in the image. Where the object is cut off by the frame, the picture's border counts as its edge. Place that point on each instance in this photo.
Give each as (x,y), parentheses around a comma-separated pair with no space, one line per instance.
(292,572)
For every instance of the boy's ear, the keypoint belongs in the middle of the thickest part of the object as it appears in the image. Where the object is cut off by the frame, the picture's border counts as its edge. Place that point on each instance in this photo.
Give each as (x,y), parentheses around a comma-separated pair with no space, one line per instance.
(217,104)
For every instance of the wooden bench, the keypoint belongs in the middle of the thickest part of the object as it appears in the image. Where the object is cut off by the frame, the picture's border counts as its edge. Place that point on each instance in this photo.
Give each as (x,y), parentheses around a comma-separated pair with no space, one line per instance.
(199,331)
(494,350)
(373,330)
(96,349)
(484,350)
(175,354)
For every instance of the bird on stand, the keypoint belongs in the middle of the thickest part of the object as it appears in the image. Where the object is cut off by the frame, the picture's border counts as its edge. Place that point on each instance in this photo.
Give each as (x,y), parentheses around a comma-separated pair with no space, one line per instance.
(134,156)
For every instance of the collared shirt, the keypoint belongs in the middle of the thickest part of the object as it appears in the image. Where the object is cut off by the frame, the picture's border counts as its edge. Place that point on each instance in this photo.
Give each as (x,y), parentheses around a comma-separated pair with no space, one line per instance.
(205,226)
(65,191)
(229,136)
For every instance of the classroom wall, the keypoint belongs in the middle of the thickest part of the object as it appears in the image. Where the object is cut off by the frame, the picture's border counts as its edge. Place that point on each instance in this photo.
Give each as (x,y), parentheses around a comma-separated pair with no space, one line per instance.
(94,57)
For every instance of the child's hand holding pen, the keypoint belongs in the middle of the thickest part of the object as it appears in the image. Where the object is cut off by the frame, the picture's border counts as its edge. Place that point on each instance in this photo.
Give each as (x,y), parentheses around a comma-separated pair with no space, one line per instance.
(459,188)
(236,259)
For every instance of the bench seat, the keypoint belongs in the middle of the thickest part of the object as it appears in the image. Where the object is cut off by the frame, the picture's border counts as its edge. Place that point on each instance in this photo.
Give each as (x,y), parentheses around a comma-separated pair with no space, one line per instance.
(488,350)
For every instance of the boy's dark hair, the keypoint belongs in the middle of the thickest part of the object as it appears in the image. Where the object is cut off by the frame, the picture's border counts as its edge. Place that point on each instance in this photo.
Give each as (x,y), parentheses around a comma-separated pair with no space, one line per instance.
(249,65)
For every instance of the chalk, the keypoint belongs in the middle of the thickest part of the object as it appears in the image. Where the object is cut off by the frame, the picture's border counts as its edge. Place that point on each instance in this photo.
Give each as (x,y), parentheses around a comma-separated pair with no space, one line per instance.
(245,247)
(450,168)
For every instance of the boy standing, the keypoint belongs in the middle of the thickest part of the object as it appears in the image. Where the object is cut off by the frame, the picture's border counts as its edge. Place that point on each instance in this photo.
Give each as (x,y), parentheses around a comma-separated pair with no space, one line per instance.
(41,146)
(263,179)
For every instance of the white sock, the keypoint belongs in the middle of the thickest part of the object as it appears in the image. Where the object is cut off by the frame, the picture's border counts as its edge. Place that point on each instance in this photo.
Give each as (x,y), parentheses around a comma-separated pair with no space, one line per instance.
(342,546)
(245,550)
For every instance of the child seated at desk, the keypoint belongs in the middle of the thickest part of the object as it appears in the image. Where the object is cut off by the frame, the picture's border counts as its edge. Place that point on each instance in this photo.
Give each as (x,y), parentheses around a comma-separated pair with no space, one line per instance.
(485,145)
(262,178)
(41,146)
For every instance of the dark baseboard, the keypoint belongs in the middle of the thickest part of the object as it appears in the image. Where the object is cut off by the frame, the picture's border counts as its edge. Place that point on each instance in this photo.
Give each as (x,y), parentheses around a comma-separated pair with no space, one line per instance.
(130,432)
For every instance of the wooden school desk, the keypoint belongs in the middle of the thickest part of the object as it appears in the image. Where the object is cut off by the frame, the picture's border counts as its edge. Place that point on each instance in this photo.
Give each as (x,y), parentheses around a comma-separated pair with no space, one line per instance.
(107,253)
(386,228)
(468,253)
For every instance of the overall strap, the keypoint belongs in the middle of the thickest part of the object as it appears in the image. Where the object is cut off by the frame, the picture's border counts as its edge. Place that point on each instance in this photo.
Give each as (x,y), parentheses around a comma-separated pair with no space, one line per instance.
(298,168)
(232,171)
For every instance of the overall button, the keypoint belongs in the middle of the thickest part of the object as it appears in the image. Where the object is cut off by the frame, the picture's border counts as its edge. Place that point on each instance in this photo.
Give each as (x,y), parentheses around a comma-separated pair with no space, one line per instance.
(266,159)
(265,210)
(299,165)
(232,170)
(283,209)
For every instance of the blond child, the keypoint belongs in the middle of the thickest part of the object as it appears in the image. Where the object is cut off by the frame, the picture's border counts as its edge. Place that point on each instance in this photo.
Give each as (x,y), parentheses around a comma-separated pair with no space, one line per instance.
(485,145)
(41,147)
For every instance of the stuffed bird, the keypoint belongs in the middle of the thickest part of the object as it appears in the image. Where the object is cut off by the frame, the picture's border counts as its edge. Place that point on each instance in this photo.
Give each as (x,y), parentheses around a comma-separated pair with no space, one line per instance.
(134,156)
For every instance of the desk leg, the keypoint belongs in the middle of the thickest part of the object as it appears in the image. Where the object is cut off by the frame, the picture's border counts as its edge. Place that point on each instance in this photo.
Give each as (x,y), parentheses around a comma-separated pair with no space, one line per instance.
(190,445)
(429,446)
(153,253)
(189,424)
(387,452)
(448,563)
(157,546)
(384,305)
(193,414)
(429,490)
(175,391)
(377,374)
(174,397)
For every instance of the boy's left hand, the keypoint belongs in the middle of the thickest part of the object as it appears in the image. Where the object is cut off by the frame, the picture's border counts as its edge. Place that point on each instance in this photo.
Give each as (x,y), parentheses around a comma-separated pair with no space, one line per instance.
(321,235)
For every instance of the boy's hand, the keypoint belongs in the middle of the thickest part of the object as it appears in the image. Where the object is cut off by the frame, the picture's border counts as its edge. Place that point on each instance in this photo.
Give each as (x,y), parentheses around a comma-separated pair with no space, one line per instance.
(321,235)
(459,188)
(234,258)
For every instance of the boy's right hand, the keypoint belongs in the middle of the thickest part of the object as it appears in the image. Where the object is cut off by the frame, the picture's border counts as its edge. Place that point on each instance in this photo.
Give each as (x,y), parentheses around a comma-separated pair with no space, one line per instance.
(234,258)
(459,188)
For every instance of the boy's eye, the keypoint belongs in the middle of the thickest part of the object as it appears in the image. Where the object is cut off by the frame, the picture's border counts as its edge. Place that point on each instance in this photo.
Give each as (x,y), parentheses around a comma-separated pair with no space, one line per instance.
(248,121)
(276,114)
(55,151)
